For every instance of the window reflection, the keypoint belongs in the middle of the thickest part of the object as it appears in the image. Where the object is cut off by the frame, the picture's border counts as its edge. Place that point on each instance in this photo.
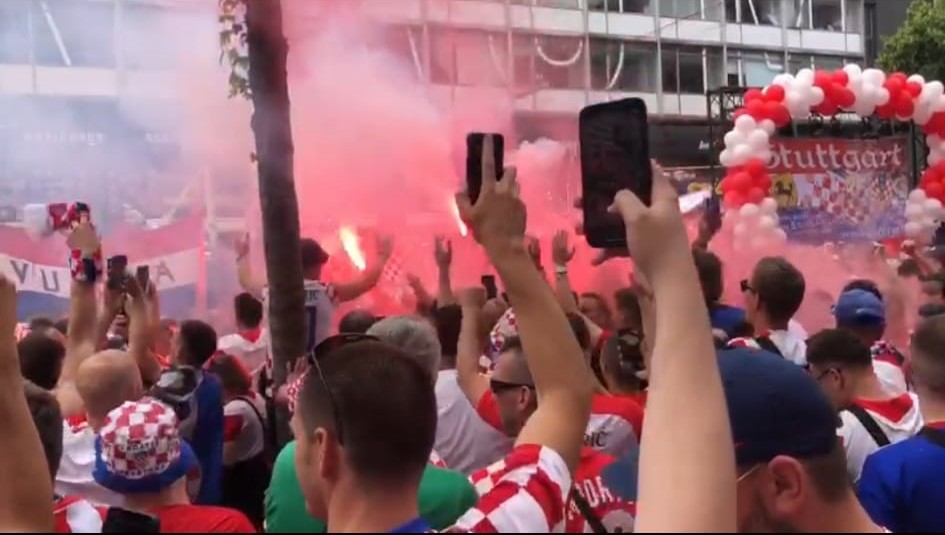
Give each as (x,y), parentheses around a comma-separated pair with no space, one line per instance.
(682,70)
(827,15)
(622,66)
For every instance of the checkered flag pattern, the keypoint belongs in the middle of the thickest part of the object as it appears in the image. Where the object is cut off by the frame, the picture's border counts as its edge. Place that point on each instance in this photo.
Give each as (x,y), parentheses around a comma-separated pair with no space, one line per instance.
(140,439)
(394,278)
(839,196)
(504,329)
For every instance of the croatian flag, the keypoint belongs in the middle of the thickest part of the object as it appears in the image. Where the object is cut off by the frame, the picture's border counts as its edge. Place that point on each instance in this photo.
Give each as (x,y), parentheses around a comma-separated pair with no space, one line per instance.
(41,273)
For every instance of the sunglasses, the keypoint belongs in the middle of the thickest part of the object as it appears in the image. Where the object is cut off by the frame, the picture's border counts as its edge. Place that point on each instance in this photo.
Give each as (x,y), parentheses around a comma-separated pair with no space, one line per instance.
(498,386)
(322,350)
(746,286)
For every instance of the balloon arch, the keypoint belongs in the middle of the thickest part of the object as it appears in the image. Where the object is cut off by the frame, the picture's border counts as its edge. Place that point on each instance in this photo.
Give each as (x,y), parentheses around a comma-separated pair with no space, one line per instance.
(746,186)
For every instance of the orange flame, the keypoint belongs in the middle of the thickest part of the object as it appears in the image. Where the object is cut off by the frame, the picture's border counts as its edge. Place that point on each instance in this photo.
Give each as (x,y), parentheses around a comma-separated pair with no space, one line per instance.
(459,221)
(349,240)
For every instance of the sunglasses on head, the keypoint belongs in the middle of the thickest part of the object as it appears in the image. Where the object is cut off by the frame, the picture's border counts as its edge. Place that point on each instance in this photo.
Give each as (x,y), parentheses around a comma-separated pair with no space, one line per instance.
(323,349)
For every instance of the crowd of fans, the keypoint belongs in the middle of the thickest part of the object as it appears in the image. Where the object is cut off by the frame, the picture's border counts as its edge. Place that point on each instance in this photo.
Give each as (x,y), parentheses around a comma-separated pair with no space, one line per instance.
(535,410)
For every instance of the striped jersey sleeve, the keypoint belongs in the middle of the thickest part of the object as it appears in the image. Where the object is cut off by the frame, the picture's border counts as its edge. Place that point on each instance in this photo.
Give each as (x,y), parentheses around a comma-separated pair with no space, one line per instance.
(523,493)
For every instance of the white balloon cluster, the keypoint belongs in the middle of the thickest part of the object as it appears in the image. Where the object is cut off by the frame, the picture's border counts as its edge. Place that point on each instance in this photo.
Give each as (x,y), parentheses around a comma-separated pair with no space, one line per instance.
(923,216)
(748,139)
(936,149)
(867,88)
(800,93)
(930,101)
(756,226)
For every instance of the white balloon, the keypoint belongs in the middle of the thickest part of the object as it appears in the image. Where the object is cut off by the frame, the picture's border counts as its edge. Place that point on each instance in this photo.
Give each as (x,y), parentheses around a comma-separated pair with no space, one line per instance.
(779,235)
(733,138)
(741,154)
(745,124)
(816,96)
(758,140)
(914,211)
(938,104)
(759,241)
(916,78)
(912,229)
(935,157)
(740,229)
(725,158)
(933,208)
(853,71)
(793,99)
(767,223)
(935,89)
(874,76)
(768,126)
(929,223)
(934,140)
(769,206)
(881,98)
(923,113)
(748,211)
(783,80)
(805,76)
(917,196)
(730,219)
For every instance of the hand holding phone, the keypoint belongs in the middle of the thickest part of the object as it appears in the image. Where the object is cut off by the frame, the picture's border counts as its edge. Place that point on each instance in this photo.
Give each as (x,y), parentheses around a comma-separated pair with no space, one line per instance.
(117,270)
(488,282)
(143,278)
(474,145)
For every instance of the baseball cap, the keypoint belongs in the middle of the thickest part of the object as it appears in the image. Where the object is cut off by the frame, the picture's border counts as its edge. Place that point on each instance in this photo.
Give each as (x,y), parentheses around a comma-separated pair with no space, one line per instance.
(774,407)
(139,449)
(859,307)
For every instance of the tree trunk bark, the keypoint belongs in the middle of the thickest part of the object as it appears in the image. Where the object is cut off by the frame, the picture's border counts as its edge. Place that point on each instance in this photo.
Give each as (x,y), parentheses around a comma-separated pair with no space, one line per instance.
(268,53)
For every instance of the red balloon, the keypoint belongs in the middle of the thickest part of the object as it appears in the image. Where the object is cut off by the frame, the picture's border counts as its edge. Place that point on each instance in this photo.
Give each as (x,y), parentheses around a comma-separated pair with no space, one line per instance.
(734,199)
(755,108)
(755,167)
(935,190)
(822,79)
(901,76)
(740,182)
(772,109)
(845,98)
(756,195)
(904,105)
(753,94)
(886,111)
(840,77)
(914,89)
(827,108)
(782,118)
(774,93)
(936,124)
(764,182)
(894,86)
(930,175)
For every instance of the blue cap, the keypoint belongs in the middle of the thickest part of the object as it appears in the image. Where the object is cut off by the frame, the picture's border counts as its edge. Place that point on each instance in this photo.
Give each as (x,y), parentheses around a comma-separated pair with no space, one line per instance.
(859,307)
(774,407)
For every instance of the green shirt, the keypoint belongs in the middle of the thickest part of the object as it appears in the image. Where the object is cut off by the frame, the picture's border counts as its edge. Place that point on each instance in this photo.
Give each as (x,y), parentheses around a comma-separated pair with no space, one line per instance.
(443,497)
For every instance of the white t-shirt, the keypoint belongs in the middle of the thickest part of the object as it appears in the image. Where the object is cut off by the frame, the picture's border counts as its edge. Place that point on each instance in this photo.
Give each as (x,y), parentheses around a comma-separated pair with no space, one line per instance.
(320,301)
(74,477)
(252,348)
(792,343)
(243,430)
(898,417)
(464,441)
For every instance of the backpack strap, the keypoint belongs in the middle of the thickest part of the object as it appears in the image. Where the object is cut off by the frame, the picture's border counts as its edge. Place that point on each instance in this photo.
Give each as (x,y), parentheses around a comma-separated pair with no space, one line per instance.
(768,345)
(244,399)
(870,425)
(593,521)
(933,435)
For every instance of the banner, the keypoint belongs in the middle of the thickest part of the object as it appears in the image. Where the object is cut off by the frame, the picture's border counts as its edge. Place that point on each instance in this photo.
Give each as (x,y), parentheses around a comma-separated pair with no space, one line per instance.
(834,190)
(39,268)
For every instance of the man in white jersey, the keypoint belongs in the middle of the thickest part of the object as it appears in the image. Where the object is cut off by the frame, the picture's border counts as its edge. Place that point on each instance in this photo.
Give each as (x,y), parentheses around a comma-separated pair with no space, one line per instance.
(320,297)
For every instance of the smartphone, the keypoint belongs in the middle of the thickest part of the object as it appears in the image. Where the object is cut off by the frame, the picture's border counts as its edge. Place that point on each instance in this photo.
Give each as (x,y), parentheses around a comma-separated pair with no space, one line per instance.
(143,277)
(119,520)
(713,214)
(116,267)
(488,282)
(474,144)
(615,155)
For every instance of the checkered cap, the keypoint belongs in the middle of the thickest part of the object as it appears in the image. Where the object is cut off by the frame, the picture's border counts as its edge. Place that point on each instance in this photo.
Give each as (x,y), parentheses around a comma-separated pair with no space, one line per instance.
(140,439)
(504,329)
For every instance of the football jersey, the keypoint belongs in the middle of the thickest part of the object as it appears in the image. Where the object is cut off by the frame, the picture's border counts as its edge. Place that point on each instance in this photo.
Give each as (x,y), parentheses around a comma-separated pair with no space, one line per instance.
(320,304)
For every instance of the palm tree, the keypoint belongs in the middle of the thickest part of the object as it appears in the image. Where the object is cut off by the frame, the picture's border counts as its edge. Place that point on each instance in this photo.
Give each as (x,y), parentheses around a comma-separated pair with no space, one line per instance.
(268,51)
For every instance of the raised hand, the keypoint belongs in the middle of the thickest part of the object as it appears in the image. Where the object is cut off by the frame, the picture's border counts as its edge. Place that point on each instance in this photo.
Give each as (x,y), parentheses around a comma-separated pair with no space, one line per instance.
(474,297)
(561,250)
(533,245)
(442,252)
(84,238)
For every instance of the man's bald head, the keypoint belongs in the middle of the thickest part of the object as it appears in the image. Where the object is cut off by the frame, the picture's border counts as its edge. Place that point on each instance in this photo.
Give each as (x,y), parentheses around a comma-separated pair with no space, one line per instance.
(511,366)
(106,380)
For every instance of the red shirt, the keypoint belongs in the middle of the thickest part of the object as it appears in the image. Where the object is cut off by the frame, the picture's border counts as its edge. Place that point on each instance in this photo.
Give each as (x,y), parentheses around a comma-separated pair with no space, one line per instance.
(202,519)
(615,423)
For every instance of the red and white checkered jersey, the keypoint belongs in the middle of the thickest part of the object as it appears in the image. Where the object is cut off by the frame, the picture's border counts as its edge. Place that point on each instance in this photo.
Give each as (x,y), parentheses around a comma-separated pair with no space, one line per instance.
(526,494)
(73,514)
(436,460)
(617,515)
(614,426)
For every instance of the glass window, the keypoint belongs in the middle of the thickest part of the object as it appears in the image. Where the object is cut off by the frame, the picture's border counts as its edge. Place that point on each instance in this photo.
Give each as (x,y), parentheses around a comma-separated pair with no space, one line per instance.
(731,10)
(682,9)
(621,6)
(760,68)
(854,16)
(14,31)
(81,32)
(622,66)
(797,62)
(147,35)
(826,15)
(715,68)
(468,57)
(560,61)
(682,70)
(828,62)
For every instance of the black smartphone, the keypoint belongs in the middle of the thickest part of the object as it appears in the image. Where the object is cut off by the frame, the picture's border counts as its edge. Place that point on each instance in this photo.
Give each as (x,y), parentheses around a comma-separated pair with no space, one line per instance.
(712,212)
(615,155)
(116,267)
(488,282)
(143,277)
(474,144)
(119,520)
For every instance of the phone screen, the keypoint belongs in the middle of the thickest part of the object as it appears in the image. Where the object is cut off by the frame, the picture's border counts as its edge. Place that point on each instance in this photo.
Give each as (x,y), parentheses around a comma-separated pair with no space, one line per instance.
(488,282)
(143,277)
(615,155)
(474,143)
(117,268)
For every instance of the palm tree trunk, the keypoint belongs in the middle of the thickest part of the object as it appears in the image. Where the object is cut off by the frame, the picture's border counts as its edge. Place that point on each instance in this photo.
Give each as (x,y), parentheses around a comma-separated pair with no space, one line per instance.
(268,51)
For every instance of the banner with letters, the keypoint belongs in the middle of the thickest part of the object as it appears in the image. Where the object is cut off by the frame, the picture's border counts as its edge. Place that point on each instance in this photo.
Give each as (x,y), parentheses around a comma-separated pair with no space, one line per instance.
(835,190)
(174,254)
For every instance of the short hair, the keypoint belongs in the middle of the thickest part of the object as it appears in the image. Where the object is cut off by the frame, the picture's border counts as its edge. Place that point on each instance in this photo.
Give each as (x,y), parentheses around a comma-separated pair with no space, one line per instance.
(47,417)
(929,310)
(448,320)
(386,406)
(41,323)
(709,269)
(248,310)
(358,321)
(232,373)
(829,474)
(600,299)
(414,336)
(838,347)
(198,342)
(909,268)
(311,253)
(62,325)
(865,285)
(580,330)
(41,358)
(779,287)
(627,301)
(928,353)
